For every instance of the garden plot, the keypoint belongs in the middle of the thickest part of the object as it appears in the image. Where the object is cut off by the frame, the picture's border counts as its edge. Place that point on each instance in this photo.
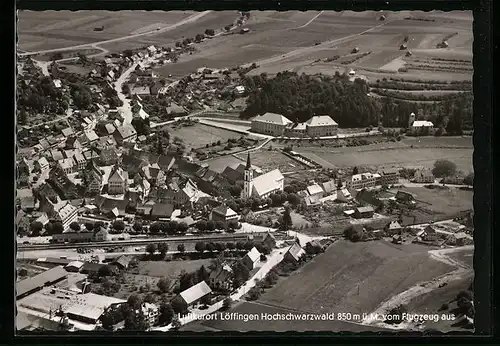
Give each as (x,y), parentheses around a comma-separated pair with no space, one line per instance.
(199,135)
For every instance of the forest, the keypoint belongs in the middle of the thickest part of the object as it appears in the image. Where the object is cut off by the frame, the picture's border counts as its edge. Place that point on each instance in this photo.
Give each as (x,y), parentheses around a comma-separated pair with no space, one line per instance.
(299,97)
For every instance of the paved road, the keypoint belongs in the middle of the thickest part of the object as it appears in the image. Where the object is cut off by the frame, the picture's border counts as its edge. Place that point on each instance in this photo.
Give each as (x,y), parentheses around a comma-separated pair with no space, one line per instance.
(190,19)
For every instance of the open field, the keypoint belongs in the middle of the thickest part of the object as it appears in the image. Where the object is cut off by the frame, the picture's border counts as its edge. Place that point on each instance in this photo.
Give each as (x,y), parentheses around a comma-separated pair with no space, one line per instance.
(199,135)
(51,29)
(430,303)
(170,269)
(465,257)
(355,277)
(219,164)
(448,201)
(423,151)
(259,324)
(269,160)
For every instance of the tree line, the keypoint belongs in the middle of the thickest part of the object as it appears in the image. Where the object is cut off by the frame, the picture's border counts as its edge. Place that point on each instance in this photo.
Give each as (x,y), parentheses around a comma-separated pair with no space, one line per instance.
(299,97)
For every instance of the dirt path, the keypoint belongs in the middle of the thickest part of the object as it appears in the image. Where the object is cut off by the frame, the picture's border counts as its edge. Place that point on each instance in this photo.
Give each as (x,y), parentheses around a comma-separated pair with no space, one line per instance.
(422,288)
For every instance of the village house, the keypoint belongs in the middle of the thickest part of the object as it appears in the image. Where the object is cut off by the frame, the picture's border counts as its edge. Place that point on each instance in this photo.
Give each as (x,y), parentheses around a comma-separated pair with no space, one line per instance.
(162,211)
(73,143)
(42,164)
(151,312)
(223,213)
(67,132)
(174,110)
(393,227)
(80,161)
(122,262)
(118,181)
(315,190)
(105,142)
(105,128)
(194,294)
(294,253)
(388,177)
(125,133)
(220,277)
(421,125)
(140,91)
(364,212)
(88,137)
(362,181)
(67,165)
(91,154)
(108,157)
(269,241)
(56,155)
(251,259)
(59,210)
(457,179)
(94,178)
(74,266)
(423,176)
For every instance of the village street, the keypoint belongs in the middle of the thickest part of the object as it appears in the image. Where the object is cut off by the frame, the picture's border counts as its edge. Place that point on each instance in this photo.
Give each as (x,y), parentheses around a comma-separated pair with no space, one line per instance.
(273,259)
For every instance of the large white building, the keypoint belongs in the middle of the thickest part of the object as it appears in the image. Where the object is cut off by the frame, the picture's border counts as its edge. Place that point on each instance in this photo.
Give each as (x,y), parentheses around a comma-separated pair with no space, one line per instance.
(278,125)
(262,185)
(61,211)
(270,124)
(117,182)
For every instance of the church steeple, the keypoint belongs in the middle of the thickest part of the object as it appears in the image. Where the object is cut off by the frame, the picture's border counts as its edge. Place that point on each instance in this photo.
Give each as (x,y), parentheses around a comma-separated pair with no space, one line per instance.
(248,179)
(249,165)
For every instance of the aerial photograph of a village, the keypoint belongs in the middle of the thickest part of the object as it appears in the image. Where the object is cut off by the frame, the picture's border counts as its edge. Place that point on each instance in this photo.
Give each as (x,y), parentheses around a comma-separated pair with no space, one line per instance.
(219,171)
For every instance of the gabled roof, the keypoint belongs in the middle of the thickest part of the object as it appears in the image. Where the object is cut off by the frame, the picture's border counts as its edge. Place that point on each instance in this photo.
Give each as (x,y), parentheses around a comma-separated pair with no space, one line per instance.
(40,280)
(314,189)
(67,132)
(56,155)
(321,120)
(295,251)
(126,131)
(232,175)
(272,118)
(253,255)
(267,182)
(366,209)
(195,292)
(329,186)
(224,210)
(422,123)
(162,210)
(117,173)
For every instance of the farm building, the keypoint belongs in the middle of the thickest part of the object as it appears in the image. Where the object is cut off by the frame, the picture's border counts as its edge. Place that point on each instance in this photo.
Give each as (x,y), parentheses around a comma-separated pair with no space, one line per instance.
(220,277)
(194,294)
(122,262)
(74,266)
(363,212)
(223,213)
(89,307)
(423,176)
(270,123)
(462,239)
(36,283)
(393,227)
(293,254)
(251,259)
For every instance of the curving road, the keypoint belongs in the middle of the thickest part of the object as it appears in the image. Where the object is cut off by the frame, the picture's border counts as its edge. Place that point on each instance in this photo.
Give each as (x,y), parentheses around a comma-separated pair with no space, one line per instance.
(190,19)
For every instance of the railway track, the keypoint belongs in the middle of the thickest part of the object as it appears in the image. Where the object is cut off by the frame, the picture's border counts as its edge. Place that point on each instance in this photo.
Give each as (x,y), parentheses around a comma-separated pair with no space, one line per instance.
(121,243)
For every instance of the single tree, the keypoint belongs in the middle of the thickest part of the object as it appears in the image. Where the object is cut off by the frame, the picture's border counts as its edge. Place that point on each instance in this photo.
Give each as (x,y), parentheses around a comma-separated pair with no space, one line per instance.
(176,323)
(200,246)
(36,228)
(286,222)
(119,225)
(355,171)
(162,248)
(137,227)
(179,305)
(164,285)
(134,301)
(75,226)
(227,303)
(181,248)
(166,313)
(444,168)
(105,271)
(151,249)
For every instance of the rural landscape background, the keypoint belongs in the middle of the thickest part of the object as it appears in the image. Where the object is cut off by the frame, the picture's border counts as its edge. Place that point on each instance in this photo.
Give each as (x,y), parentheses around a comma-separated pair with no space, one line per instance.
(211,101)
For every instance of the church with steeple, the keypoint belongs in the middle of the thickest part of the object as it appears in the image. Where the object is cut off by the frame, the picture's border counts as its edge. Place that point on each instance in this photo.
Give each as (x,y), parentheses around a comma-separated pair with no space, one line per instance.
(263,185)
